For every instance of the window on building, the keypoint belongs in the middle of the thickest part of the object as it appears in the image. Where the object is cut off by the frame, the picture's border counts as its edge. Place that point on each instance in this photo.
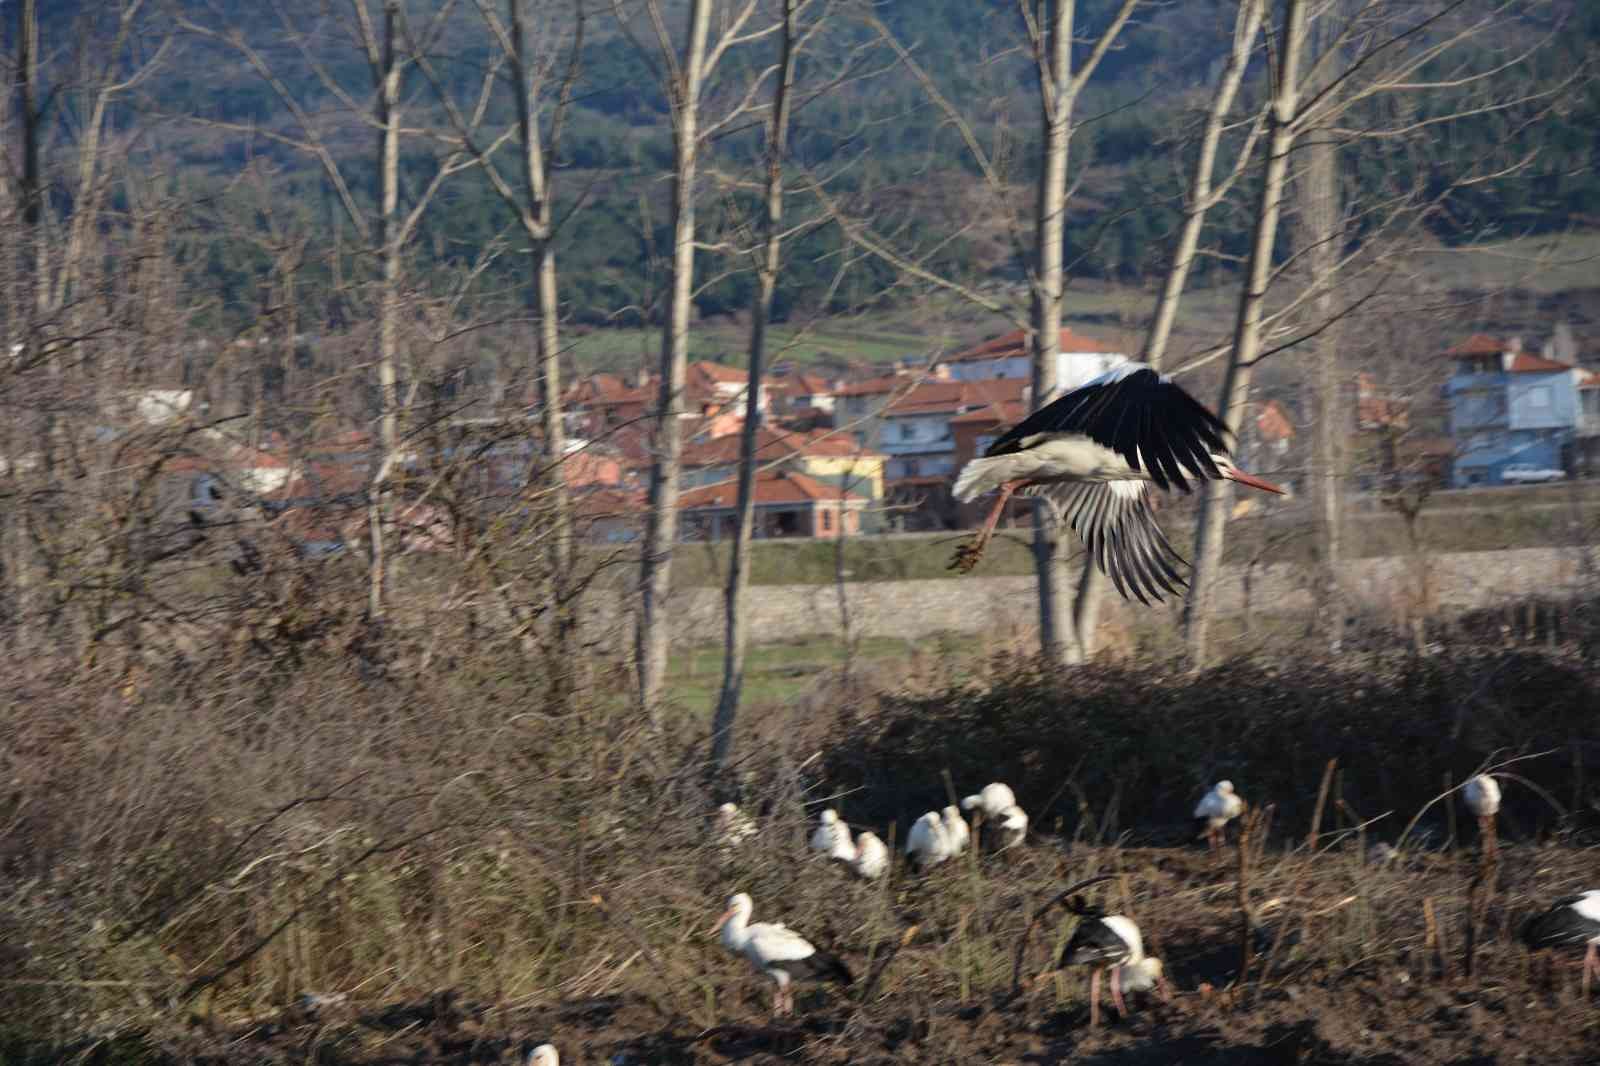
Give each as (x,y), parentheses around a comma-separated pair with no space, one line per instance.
(827,521)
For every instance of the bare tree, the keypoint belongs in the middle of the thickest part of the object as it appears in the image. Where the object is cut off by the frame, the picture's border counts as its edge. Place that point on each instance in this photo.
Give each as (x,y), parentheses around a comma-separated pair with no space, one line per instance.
(769,227)
(685,74)
(1373,51)
(380,36)
(534,62)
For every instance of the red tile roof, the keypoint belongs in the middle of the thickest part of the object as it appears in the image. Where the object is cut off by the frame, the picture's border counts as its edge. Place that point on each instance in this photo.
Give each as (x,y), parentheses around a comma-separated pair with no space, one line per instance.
(772,487)
(801,384)
(1528,363)
(708,371)
(1478,344)
(1016,343)
(771,444)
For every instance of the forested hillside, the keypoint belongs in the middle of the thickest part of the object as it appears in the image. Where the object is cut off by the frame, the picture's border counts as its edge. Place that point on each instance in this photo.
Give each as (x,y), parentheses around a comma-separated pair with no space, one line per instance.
(866,125)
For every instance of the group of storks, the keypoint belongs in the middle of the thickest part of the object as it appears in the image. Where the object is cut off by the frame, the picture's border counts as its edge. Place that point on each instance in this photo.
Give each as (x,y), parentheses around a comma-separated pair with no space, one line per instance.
(1101,941)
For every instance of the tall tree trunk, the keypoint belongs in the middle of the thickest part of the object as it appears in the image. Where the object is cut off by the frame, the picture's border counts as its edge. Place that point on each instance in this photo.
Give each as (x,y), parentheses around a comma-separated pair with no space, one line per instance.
(1320,220)
(661,524)
(1218,494)
(539,221)
(735,624)
(381,493)
(1056,93)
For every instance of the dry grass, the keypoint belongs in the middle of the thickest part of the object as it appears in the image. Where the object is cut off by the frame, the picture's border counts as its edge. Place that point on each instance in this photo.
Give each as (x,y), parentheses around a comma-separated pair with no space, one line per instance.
(186,856)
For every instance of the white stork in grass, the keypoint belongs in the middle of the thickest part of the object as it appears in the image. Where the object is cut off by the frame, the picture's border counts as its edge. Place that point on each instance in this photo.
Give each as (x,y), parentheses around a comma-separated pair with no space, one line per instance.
(543,1055)
(732,826)
(872,856)
(928,843)
(1570,920)
(994,798)
(1217,808)
(1111,940)
(832,838)
(777,951)
(1481,794)
(956,830)
(1012,824)
(1096,452)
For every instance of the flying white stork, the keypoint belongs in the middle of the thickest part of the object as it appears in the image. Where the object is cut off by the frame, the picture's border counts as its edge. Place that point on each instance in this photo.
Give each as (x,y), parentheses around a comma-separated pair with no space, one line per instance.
(777,951)
(994,798)
(543,1055)
(928,843)
(832,837)
(1217,808)
(1097,451)
(956,830)
(1570,920)
(872,856)
(1103,940)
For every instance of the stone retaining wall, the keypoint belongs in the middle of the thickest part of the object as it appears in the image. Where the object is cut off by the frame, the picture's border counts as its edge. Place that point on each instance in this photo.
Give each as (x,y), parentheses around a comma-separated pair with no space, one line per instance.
(1395,586)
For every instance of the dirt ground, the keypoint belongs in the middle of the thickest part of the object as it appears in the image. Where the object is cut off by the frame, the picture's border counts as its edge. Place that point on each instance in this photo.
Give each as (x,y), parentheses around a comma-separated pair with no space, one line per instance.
(1344,970)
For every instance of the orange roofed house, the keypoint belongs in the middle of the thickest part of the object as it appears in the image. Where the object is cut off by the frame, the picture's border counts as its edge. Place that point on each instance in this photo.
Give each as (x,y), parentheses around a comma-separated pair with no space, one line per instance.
(787,504)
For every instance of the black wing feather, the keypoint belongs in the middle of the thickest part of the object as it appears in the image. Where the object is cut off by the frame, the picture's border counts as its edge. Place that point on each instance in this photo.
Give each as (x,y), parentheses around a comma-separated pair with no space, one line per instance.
(1152,423)
(1093,941)
(1122,536)
(1559,925)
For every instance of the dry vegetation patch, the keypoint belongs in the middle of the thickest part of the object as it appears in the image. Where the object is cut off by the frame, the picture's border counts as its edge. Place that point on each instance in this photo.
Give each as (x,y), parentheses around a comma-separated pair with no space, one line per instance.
(458,873)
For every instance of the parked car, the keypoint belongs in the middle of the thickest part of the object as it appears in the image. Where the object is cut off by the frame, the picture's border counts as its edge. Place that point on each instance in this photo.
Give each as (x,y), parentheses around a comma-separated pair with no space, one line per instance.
(1528,474)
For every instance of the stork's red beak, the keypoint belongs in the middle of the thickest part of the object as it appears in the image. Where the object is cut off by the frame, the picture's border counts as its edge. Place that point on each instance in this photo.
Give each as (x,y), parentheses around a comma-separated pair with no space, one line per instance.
(715,929)
(1254,482)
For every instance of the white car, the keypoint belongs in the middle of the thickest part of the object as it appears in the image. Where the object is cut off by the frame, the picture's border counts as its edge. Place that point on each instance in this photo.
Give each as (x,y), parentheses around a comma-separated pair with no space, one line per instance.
(1528,474)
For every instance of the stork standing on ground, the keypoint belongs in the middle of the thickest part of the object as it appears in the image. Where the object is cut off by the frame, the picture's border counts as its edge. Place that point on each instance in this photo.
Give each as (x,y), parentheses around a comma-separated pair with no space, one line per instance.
(543,1055)
(994,798)
(1217,808)
(1481,794)
(1012,824)
(872,857)
(733,826)
(928,843)
(1096,452)
(832,838)
(1111,940)
(956,830)
(1570,920)
(777,951)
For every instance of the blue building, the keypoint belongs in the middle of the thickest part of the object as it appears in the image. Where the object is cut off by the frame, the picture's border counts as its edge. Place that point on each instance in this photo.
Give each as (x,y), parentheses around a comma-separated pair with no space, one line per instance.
(1509,405)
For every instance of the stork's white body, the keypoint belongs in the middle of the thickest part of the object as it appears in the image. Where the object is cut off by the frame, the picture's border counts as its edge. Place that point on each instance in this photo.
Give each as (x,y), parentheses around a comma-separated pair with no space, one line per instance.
(1013,822)
(927,845)
(733,826)
(872,856)
(956,830)
(1217,808)
(994,798)
(1481,794)
(1048,457)
(832,838)
(544,1055)
(775,950)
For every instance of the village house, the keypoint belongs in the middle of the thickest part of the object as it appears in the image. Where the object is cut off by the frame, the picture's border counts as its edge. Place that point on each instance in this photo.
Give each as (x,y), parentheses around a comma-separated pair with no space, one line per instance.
(829,457)
(1078,359)
(713,400)
(1510,406)
(785,504)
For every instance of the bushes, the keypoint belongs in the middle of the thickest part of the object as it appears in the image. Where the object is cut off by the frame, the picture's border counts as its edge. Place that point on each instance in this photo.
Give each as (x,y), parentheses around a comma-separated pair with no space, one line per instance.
(1142,746)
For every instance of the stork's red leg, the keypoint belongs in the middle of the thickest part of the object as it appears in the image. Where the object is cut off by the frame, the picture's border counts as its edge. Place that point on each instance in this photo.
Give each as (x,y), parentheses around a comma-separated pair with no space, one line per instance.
(968,554)
(1591,965)
(1116,991)
(1094,999)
